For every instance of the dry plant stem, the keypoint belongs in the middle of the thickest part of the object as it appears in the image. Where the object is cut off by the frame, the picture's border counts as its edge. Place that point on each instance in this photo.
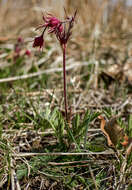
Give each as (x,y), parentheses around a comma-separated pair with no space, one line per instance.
(35,74)
(93,178)
(64,79)
(12,177)
(109,152)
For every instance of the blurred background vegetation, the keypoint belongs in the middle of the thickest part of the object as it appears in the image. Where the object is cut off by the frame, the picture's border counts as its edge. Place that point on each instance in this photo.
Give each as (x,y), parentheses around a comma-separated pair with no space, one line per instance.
(18,15)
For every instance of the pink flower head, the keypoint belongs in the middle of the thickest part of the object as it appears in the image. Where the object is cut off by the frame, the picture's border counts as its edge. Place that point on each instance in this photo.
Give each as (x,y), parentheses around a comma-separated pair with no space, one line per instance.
(38,41)
(52,23)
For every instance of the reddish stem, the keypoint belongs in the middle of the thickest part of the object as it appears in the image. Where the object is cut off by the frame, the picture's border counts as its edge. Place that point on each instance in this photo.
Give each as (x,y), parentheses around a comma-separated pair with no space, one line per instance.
(64,79)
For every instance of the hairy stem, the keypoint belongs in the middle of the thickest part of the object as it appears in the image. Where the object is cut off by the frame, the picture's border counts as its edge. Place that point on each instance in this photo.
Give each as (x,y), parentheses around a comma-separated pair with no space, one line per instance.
(64,80)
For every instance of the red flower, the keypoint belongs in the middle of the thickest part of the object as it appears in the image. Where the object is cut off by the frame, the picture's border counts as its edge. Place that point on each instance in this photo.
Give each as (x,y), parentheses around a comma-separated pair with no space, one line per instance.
(28,52)
(38,41)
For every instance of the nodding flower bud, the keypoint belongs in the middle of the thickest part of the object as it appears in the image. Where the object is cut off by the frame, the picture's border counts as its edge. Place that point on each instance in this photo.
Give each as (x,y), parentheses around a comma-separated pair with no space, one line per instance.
(38,41)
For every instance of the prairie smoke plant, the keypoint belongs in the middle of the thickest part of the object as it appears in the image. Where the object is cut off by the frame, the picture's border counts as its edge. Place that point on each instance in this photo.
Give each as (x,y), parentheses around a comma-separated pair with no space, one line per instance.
(62,30)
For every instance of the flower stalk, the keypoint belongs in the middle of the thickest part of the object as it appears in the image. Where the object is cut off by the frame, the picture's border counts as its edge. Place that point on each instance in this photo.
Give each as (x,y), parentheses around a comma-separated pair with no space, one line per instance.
(64,80)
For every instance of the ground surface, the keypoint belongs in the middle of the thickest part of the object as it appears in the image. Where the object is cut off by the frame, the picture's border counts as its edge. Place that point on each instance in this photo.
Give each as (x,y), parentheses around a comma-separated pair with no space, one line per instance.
(38,148)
